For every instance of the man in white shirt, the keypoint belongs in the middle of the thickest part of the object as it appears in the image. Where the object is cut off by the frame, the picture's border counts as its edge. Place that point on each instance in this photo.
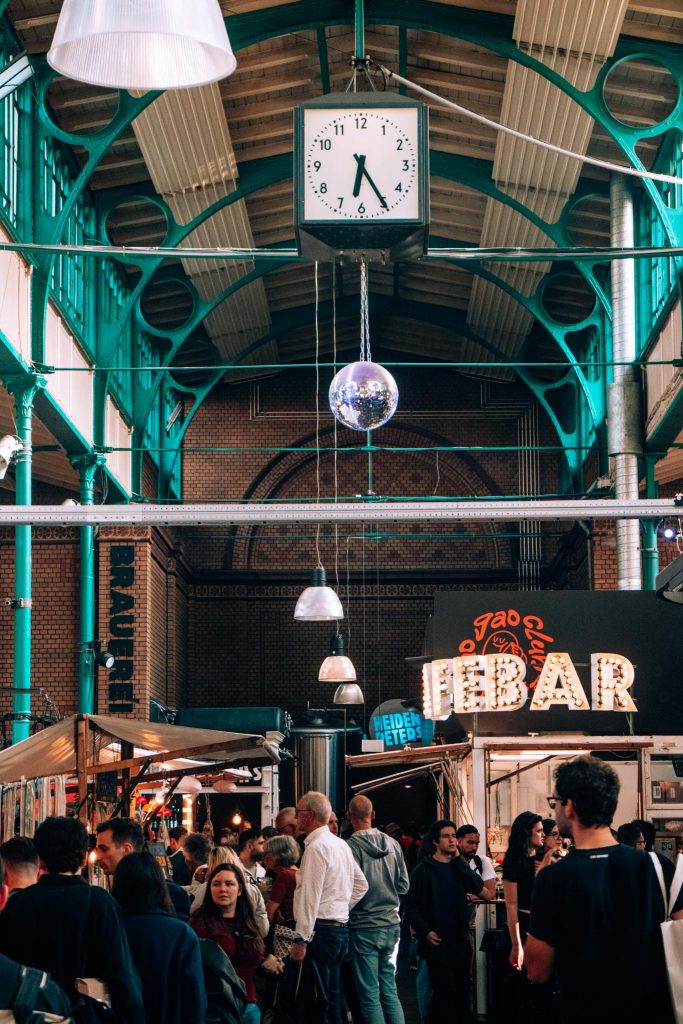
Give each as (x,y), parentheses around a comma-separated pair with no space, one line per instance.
(328,884)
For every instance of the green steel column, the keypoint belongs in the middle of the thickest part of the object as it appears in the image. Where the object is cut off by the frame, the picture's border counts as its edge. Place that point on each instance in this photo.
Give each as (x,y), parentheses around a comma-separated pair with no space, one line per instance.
(359,23)
(87,465)
(24,388)
(650,550)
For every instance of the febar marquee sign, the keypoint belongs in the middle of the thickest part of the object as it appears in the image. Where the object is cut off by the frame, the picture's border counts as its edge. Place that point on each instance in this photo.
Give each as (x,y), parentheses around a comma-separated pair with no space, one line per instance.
(589,660)
(496,682)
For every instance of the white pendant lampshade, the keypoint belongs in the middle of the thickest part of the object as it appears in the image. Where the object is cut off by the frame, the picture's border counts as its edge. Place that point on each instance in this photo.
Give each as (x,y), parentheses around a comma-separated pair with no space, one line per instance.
(318,603)
(225,785)
(348,693)
(189,784)
(142,44)
(337,668)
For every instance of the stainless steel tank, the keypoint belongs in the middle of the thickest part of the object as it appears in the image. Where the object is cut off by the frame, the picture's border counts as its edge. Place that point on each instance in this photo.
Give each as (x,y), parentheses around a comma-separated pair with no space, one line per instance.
(318,745)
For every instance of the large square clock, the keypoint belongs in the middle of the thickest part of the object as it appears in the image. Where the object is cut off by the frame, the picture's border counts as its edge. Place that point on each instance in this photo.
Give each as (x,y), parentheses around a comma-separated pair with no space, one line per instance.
(361,177)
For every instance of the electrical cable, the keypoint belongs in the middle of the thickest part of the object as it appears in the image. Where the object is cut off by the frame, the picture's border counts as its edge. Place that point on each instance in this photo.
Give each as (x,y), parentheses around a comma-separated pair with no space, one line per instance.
(606,165)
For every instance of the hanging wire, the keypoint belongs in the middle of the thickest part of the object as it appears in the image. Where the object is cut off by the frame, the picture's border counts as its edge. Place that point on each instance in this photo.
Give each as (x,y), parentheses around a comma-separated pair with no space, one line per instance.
(365,355)
(317,410)
(349,538)
(606,165)
(377,632)
(335,425)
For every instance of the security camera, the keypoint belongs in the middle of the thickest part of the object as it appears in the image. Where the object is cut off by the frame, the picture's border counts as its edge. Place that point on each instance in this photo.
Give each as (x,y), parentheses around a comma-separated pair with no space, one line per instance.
(9,446)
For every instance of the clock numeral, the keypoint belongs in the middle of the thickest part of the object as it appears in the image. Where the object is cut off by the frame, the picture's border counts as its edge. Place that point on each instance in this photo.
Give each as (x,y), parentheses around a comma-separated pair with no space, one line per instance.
(361,207)
(405,165)
(323,187)
(361,122)
(384,129)
(325,143)
(399,144)
(340,200)
(316,165)
(339,129)
(398,188)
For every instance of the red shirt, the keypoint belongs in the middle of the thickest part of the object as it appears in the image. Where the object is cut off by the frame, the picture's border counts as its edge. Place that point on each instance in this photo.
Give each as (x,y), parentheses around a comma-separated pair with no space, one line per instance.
(282,892)
(222,931)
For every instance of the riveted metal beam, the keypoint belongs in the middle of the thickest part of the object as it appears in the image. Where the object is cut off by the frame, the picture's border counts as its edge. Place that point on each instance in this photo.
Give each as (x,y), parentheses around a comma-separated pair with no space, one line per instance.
(382,510)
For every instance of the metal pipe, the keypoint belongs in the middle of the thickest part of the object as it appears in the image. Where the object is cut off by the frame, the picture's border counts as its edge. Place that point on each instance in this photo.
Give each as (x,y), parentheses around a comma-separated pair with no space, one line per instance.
(24,388)
(359,24)
(87,466)
(624,414)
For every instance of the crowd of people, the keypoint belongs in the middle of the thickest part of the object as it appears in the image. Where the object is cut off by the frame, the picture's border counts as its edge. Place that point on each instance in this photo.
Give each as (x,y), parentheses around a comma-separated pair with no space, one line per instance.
(296,923)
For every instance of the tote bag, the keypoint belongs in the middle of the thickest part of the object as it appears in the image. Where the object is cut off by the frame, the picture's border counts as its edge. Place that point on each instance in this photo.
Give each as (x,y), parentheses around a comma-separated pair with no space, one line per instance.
(672,936)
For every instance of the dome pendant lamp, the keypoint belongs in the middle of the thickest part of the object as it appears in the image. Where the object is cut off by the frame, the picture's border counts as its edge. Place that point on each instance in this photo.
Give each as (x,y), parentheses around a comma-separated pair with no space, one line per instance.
(318,603)
(337,668)
(142,44)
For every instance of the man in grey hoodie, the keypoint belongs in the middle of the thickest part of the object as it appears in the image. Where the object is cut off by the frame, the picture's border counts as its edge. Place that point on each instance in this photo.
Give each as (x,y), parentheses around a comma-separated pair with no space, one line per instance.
(374,921)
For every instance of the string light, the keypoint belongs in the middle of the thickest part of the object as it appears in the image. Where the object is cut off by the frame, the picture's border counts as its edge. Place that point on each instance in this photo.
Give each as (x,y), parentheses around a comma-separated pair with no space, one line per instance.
(559,683)
(612,675)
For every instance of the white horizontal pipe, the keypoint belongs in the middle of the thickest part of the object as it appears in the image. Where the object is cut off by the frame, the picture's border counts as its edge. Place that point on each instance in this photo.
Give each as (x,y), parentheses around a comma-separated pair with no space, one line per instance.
(369,512)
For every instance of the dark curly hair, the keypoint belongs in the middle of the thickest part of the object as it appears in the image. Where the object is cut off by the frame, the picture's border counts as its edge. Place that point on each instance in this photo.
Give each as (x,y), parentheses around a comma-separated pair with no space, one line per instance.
(62,844)
(517,853)
(247,935)
(593,788)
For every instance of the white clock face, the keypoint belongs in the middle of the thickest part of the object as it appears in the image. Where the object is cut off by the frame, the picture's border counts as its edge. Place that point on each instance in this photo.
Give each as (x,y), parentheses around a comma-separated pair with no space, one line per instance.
(361,164)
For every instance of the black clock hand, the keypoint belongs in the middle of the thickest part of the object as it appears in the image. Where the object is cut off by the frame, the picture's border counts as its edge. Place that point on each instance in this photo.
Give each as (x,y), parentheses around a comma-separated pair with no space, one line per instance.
(359,176)
(360,160)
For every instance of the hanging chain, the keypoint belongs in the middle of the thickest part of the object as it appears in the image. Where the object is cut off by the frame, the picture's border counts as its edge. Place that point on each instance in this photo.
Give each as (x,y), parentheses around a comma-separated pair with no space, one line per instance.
(365,355)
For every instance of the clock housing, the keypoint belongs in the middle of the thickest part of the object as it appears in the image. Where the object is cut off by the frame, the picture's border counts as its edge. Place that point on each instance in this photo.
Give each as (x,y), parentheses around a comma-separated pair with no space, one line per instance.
(361,176)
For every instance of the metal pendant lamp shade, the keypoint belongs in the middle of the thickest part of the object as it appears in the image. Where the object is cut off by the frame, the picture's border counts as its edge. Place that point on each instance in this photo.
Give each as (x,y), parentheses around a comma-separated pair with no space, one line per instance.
(348,693)
(318,603)
(337,668)
(142,44)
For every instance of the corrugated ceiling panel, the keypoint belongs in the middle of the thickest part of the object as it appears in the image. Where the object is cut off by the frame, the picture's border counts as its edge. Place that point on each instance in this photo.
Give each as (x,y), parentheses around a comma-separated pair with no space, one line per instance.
(185,140)
(584,26)
(186,143)
(573,37)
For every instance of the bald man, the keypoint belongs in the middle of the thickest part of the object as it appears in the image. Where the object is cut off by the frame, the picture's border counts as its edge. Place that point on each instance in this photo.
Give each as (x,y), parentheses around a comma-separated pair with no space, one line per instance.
(285,822)
(374,922)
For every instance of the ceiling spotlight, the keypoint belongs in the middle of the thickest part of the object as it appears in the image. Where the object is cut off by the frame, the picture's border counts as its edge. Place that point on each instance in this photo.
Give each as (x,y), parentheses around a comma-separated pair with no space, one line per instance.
(105,659)
(9,446)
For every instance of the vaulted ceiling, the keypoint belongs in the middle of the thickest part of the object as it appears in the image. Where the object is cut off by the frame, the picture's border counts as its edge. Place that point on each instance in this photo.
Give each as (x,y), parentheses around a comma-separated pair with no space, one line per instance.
(191,148)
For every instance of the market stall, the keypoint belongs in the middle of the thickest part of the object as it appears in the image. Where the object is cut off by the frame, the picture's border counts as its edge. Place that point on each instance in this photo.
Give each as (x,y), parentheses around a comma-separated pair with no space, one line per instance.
(91,750)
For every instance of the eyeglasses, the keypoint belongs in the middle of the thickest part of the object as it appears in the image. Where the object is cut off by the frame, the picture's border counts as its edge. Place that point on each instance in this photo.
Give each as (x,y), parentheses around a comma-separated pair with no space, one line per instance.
(301,810)
(554,800)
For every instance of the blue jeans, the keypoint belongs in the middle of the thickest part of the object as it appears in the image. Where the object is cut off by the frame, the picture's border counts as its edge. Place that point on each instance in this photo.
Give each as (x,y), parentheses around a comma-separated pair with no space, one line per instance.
(374,973)
(328,948)
(251,1014)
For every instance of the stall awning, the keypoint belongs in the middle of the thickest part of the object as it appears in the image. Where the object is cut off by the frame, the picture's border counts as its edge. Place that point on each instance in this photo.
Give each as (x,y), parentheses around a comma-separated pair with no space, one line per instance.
(54,750)
(409,755)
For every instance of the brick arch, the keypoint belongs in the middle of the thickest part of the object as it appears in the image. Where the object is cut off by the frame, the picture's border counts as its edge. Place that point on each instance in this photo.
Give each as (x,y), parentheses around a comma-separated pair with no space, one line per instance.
(292,475)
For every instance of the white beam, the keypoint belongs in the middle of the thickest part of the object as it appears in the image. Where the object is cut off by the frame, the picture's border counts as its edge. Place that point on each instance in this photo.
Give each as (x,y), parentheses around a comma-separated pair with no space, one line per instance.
(236,514)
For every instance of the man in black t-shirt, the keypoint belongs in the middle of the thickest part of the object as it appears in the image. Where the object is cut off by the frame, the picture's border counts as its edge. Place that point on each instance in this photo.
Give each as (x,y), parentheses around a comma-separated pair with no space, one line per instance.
(437,909)
(595,915)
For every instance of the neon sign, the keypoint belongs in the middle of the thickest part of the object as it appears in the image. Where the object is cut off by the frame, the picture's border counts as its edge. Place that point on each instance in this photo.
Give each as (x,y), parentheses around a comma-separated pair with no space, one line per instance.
(496,682)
